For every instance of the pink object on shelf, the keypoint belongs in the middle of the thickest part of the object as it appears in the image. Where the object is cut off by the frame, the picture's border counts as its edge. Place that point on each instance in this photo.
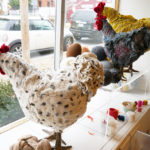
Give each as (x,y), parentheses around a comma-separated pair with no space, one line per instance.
(139,103)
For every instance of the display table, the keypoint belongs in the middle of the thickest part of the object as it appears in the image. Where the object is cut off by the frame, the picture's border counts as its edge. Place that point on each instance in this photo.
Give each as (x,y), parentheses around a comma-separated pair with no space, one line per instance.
(89,133)
(122,139)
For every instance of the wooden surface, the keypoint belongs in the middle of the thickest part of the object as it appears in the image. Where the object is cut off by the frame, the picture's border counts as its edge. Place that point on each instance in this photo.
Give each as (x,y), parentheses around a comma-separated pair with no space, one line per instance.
(117,5)
(12,125)
(25,30)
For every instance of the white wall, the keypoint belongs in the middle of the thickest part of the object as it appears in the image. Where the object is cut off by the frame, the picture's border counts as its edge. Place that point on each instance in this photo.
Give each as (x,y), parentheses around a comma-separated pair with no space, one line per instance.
(138,9)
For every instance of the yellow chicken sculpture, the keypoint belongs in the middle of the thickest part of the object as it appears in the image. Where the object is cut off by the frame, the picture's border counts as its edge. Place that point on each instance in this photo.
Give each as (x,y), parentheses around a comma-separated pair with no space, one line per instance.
(124,23)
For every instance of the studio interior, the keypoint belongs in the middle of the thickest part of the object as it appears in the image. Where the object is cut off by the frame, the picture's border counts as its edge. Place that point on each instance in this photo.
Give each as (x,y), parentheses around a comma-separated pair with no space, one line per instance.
(74,75)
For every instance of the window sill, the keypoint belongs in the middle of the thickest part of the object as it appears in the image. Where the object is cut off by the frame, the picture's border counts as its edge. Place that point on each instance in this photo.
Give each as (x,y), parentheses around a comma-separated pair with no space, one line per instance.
(13,125)
(78,135)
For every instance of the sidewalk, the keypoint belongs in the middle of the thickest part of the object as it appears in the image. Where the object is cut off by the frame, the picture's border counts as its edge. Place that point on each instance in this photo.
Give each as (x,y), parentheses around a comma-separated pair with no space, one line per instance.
(44,62)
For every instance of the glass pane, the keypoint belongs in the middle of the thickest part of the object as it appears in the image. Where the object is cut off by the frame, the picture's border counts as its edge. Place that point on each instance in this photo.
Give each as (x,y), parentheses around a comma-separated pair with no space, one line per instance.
(42,41)
(79,20)
(140,141)
(41,25)
(14,25)
(3,24)
(42,34)
(10,109)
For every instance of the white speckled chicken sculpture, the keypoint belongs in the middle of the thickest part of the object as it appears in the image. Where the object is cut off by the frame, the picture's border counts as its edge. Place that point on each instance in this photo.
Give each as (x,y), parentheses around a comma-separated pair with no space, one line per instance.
(56,100)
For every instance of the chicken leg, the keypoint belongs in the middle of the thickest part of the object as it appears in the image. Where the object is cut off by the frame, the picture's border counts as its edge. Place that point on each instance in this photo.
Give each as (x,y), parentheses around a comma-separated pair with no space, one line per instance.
(57,136)
(58,143)
(52,136)
(130,70)
(123,78)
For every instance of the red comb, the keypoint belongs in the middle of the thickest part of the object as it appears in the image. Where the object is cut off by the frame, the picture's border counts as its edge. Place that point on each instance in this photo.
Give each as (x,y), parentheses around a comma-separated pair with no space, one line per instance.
(98,9)
(4,49)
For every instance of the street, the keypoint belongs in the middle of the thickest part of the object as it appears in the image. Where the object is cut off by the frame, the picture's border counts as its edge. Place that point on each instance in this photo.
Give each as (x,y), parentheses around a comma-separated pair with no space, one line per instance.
(89,43)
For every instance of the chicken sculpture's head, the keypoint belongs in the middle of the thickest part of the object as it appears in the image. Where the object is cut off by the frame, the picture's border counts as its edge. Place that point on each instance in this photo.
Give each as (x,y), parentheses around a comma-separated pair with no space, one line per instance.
(100,17)
(89,72)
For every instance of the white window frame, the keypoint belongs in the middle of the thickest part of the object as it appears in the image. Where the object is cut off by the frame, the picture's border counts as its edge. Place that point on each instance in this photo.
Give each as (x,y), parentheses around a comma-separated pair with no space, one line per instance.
(59,32)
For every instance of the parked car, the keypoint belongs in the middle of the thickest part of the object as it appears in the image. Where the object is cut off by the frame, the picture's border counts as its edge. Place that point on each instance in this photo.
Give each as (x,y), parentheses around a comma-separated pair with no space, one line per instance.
(82,25)
(41,32)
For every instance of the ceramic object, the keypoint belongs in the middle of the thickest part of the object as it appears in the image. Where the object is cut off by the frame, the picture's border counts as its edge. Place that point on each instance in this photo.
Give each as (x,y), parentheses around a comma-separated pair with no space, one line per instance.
(129,106)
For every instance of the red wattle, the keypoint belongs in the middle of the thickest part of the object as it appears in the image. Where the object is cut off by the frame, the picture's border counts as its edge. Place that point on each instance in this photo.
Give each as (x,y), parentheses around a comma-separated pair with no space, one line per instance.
(4,49)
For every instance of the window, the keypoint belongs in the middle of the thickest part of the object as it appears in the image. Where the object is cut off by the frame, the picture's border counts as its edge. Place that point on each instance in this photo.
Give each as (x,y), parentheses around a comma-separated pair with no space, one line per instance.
(15,25)
(80,21)
(40,25)
(3,24)
(42,43)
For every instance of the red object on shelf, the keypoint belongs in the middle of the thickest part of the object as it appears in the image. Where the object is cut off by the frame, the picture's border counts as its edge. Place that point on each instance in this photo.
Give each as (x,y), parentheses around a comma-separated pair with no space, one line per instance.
(139,109)
(91,118)
(113,112)
(90,133)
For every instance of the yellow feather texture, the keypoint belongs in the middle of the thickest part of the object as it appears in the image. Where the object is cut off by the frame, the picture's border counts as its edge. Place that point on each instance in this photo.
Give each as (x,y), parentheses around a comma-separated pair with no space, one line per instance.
(124,23)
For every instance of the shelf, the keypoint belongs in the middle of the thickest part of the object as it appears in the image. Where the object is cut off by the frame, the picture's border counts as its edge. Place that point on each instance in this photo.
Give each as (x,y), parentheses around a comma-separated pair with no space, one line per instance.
(85,133)
(130,79)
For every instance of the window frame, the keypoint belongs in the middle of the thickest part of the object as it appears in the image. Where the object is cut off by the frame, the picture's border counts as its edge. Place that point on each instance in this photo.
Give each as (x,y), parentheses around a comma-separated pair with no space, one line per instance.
(59,32)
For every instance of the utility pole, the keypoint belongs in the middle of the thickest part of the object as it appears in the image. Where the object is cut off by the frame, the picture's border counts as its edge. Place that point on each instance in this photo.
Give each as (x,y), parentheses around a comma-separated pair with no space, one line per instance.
(25,30)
